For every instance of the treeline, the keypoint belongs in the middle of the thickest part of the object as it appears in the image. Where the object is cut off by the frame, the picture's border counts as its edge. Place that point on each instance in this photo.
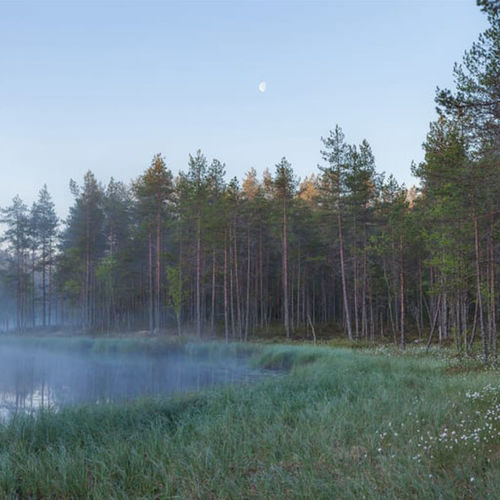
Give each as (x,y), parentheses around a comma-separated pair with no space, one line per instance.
(346,246)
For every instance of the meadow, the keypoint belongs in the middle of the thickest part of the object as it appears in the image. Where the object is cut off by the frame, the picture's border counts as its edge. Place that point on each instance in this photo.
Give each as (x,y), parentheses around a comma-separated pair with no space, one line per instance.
(328,423)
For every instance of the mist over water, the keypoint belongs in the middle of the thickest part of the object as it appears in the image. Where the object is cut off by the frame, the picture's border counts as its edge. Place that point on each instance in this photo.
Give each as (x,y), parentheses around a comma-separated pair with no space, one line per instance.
(34,377)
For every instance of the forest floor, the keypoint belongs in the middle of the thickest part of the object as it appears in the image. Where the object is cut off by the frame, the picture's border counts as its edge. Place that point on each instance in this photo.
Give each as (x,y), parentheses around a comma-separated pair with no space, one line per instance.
(337,423)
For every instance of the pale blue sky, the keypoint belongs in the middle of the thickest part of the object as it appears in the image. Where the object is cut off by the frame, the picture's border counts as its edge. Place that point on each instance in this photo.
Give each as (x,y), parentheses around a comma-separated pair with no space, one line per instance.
(104,85)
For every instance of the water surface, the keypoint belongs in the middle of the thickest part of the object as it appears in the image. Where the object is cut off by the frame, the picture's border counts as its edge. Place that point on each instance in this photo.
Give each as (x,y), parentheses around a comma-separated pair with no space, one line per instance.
(34,377)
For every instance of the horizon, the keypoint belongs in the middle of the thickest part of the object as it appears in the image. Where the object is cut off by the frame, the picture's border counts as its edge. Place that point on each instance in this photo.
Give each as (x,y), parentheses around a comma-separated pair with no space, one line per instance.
(104,87)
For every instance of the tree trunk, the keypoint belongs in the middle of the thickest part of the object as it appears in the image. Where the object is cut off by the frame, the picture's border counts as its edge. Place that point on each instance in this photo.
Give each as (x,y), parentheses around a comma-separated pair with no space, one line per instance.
(247,313)
(261,284)
(479,292)
(226,305)
(49,307)
(355,295)
(44,285)
(237,285)
(285,271)
(347,316)
(492,326)
(402,294)
(364,319)
(231,288)
(212,313)
(198,276)
(158,275)
(150,280)
(297,315)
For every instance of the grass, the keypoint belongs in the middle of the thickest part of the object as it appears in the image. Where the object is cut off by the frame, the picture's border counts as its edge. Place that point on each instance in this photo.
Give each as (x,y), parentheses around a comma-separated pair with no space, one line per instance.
(339,424)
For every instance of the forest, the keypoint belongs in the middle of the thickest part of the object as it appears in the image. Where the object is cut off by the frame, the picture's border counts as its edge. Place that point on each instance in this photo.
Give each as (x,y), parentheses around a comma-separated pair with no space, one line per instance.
(190,335)
(346,251)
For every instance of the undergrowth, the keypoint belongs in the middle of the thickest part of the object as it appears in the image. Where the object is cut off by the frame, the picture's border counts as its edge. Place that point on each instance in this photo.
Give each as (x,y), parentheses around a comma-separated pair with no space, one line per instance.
(338,424)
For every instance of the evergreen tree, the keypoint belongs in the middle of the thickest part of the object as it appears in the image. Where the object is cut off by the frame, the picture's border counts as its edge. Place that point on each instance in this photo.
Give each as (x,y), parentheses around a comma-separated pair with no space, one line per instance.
(335,185)
(153,191)
(83,244)
(196,178)
(16,236)
(45,223)
(285,185)
(475,101)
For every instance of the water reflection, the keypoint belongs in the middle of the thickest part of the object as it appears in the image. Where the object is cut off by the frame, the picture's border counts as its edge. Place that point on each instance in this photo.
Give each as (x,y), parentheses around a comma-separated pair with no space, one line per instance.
(32,378)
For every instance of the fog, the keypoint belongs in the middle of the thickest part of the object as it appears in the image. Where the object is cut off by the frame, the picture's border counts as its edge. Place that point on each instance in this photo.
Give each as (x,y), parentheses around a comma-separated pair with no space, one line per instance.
(32,377)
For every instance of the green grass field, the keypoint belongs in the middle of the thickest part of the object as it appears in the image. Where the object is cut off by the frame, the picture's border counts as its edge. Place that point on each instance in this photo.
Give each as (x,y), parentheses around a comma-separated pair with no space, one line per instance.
(337,423)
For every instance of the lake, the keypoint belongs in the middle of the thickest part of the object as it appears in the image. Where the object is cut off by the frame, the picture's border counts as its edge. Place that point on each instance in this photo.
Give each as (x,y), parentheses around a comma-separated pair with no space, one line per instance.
(34,376)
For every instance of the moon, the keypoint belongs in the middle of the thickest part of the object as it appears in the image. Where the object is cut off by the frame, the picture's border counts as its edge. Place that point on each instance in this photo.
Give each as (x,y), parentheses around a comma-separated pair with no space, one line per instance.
(262,87)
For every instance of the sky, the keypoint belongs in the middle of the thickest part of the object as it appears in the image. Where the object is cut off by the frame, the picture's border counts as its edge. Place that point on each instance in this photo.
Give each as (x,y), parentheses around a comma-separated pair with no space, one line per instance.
(105,85)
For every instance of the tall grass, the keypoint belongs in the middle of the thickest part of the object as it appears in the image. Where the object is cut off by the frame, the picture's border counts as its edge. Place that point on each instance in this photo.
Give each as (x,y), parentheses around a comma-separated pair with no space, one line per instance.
(339,424)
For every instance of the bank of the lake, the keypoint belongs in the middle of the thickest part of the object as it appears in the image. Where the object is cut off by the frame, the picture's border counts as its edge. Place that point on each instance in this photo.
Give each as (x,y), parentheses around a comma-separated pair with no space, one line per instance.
(339,423)
(53,373)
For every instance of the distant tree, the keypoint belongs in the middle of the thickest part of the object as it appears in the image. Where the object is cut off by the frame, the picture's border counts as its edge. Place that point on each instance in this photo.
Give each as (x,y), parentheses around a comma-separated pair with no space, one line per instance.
(117,207)
(177,294)
(197,188)
(251,187)
(117,268)
(44,223)
(285,185)
(16,236)
(215,225)
(153,191)
(83,244)
(309,188)
(334,184)
(362,184)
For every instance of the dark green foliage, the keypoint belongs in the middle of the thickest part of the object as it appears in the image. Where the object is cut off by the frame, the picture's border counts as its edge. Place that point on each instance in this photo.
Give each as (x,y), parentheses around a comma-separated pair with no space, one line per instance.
(17,236)
(345,250)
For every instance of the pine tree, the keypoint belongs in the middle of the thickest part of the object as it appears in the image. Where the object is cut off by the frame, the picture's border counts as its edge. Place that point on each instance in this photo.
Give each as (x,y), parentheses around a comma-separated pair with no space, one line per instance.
(16,235)
(475,101)
(45,222)
(285,186)
(83,244)
(153,191)
(334,184)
